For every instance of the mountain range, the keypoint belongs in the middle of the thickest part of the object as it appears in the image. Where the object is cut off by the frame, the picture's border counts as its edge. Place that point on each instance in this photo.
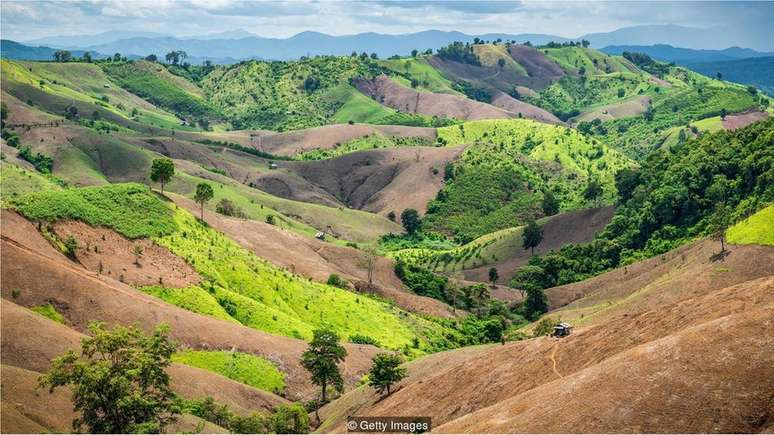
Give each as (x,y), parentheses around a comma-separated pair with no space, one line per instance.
(241,44)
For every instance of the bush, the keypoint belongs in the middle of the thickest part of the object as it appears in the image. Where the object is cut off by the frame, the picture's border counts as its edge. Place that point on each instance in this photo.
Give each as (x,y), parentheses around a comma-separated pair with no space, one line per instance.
(363,339)
(336,281)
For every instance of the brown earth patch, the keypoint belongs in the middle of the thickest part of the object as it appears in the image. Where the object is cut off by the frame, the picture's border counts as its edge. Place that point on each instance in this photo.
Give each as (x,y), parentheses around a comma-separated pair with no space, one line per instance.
(391,94)
(106,252)
(506,102)
(502,376)
(379,181)
(732,122)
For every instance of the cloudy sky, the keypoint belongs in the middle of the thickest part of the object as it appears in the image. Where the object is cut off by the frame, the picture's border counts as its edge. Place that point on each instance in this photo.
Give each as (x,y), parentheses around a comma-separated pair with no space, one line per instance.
(26,20)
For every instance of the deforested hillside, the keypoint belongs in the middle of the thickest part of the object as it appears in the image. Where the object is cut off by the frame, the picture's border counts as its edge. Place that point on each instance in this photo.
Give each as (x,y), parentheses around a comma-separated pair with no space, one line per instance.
(502,236)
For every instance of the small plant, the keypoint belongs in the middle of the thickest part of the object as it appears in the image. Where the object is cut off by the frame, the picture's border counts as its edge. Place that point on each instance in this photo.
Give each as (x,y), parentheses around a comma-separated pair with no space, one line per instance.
(70,246)
(336,281)
(363,339)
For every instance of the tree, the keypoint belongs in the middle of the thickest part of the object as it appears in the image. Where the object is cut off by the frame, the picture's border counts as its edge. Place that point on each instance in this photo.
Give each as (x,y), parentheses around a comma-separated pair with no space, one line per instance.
(87,57)
(535,304)
(288,419)
(493,276)
(321,360)
(410,220)
(117,57)
(626,180)
(62,56)
(203,194)
(719,76)
(151,58)
(385,372)
(118,382)
(723,113)
(162,171)
(593,191)
(501,62)
(414,52)
(532,236)
(368,262)
(137,251)
(719,223)
(528,278)
(550,203)
(391,216)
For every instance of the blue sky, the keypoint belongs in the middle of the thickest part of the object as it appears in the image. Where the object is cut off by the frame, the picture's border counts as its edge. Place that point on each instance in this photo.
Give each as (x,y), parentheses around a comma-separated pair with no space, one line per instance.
(25,20)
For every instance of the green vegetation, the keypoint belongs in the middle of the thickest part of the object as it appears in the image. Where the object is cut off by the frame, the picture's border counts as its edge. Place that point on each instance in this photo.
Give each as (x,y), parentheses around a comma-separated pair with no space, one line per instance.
(193,298)
(49,311)
(689,191)
(16,181)
(131,209)
(241,367)
(118,381)
(285,95)
(386,372)
(757,229)
(154,83)
(285,419)
(418,74)
(495,184)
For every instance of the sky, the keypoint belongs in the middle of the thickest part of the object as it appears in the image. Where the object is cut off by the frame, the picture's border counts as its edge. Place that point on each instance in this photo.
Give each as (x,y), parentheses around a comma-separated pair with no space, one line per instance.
(27,20)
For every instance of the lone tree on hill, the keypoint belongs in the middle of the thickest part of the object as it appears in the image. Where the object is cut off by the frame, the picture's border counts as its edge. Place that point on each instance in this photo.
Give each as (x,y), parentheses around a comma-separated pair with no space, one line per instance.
(532,236)
(719,223)
(410,220)
(368,262)
(321,360)
(162,171)
(385,372)
(119,383)
(550,203)
(204,193)
(535,304)
(493,276)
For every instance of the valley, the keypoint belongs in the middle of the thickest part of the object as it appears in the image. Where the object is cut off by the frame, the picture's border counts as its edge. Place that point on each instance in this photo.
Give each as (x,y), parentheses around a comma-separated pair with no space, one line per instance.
(445,208)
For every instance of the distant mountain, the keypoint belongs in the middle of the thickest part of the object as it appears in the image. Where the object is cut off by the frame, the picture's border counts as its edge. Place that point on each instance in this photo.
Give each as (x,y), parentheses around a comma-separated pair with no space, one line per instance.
(222,47)
(680,36)
(81,41)
(757,71)
(14,50)
(668,53)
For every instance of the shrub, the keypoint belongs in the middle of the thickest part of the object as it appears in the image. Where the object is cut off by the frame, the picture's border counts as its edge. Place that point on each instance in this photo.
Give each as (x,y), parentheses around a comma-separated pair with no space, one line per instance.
(364,339)
(336,281)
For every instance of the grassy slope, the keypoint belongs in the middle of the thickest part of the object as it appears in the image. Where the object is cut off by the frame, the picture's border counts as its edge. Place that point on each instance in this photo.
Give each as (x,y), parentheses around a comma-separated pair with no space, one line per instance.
(50,312)
(250,290)
(241,367)
(757,229)
(86,83)
(157,85)
(16,181)
(371,141)
(428,78)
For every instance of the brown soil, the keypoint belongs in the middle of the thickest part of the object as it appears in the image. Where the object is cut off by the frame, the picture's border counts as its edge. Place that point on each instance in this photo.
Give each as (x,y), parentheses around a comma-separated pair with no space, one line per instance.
(104,251)
(539,66)
(391,94)
(379,181)
(325,137)
(83,296)
(732,122)
(506,102)
(567,228)
(655,361)
(318,260)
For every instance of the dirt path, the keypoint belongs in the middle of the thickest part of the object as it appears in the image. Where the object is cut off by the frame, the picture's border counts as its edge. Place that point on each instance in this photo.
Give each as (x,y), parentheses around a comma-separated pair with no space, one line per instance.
(553,360)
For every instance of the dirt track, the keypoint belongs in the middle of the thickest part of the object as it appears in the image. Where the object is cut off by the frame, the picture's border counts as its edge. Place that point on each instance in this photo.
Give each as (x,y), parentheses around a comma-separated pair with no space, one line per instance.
(732,122)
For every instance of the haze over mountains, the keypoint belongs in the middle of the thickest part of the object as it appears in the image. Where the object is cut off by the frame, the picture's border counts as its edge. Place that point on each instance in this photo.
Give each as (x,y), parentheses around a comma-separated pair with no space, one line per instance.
(242,44)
